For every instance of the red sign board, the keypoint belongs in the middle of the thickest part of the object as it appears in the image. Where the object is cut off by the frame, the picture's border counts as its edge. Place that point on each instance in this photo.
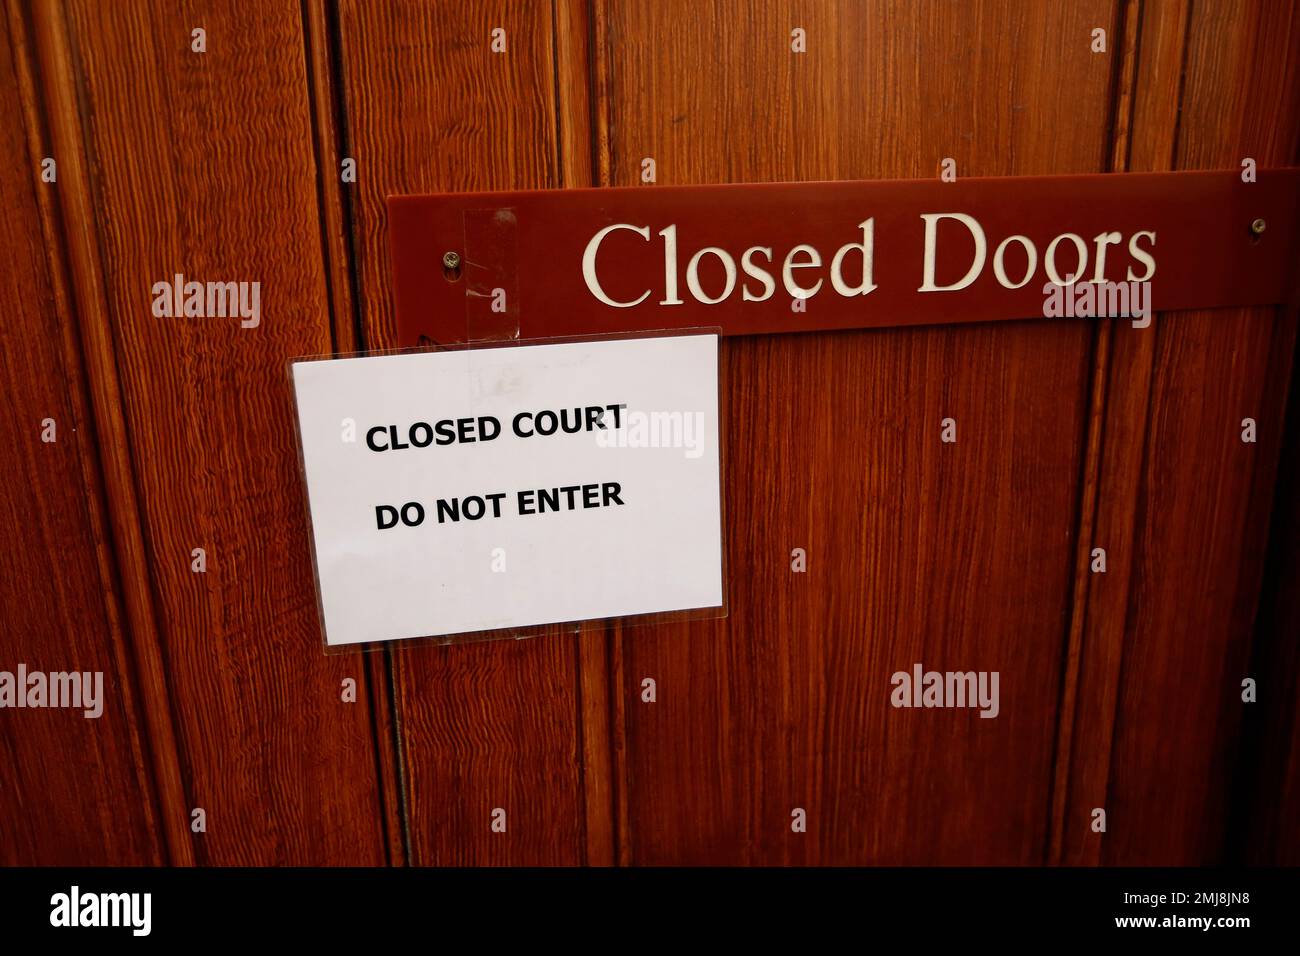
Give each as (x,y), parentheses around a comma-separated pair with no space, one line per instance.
(787,257)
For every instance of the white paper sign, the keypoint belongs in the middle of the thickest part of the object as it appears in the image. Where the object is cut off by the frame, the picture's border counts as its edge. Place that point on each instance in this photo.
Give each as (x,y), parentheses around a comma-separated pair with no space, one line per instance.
(509,487)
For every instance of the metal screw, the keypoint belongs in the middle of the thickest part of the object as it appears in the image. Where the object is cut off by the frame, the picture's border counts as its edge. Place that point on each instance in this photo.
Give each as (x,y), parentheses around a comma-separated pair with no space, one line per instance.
(1258,227)
(451,261)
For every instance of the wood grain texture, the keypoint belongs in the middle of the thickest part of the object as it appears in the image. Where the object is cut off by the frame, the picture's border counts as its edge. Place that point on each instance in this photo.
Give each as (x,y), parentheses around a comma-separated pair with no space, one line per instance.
(1202,495)
(574,124)
(75,791)
(204,166)
(1066,759)
(429,108)
(60,89)
(956,556)
(1266,829)
(345,326)
(1154,40)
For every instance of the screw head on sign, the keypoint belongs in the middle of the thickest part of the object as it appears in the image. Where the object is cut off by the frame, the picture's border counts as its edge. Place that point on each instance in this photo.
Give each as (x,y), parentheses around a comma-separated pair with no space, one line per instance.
(1258,227)
(451,260)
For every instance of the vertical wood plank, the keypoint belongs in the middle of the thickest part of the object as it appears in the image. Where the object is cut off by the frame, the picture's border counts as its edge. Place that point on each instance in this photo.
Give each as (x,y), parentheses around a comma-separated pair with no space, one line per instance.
(1267,831)
(429,107)
(1204,494)
(573,110)
(59,89)
(1126,40)
(76,790)
(955,556)
(345,322)
(1146,128)
(204,166)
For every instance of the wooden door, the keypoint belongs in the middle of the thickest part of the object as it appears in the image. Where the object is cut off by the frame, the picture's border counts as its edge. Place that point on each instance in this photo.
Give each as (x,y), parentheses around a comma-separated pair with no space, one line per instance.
(1121,691)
